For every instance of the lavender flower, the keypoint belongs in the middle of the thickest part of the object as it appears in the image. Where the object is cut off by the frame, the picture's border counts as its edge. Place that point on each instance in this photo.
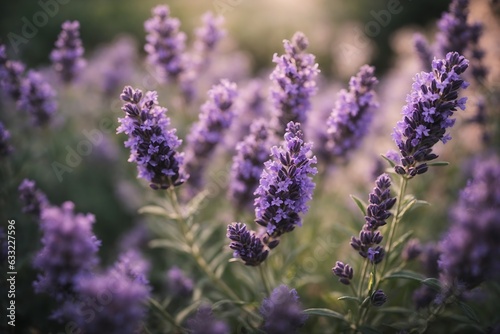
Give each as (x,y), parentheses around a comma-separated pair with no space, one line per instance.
(344,272)
(246,244)
(207,37)
(67,56)
(205,323)
(293,82)
(378,298)
(282,311)
(133,265)
(165,44)
(380,203)
(179,285)
(69,250)
(423,49)
(350,118)
(412,250)
(37,98)
(215,118)
(470,249)
(5,147)
(32,199)
(11,75)
(428,112)
(251,153)
(454,32)
(285,184)
(152,145)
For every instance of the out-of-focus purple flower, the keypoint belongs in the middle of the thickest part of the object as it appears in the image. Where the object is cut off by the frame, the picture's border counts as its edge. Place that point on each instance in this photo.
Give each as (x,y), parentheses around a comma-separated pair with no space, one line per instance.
(204,322)
(32,199)
(137,238)
(282,311)
(293,82)
(344,272)
(454,32)
(152,145)
(69,250)
(37,98)
(378,298)
(423,296)
(246,244)
(285,185)
(470,252)
(424,51)
(67,56)
(215,118)
(132,264)
(165,44)
(5,147)
(428,112)
(248,163)
(179,284)
(11,75)
(350,118)
(412,250)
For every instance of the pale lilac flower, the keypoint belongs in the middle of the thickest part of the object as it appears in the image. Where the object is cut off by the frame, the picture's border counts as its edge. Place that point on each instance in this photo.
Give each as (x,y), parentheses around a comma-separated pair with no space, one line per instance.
(37,98)
(32,199)
(179,284)
(67,57)
(11,75)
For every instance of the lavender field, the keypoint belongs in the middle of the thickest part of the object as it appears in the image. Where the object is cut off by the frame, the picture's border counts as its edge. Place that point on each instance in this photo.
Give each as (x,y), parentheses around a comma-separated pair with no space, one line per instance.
(236,166)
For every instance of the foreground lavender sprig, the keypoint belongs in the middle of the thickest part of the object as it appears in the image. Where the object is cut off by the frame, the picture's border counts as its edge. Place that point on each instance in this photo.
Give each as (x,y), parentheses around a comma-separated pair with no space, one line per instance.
(282,311)
(247,245)
(37,98)
(67,57)
(285,184)
(11,75)
(5,147)
(152,145)
(293,82)
(350,118)
(32,199)
(69,250)
(204,322)
(428,112)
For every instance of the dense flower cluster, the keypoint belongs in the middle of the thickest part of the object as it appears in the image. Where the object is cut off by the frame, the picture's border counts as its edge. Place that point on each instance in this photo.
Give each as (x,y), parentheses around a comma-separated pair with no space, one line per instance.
(285,184)
(132,264)
(152,145)
(344,272)
(350,118)
(282,311)
(293,82)
(204,322)
(69,250)
(67,56)
(428,112)
(11,75)
(470,252)
(32,199)
(37,98)
(179,284)
(5,147)
(247,245)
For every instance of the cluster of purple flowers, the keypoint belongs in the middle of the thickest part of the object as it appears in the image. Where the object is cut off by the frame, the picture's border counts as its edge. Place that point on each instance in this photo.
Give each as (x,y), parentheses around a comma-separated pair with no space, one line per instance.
(152,145)
(179,285)
(67,56)
(247,245)
(428,112)
(293,82)
(11,75)
(204,322)
(32,199)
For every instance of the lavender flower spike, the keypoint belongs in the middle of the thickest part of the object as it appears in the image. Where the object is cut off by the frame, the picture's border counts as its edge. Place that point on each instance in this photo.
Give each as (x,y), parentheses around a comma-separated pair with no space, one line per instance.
(454,32)
(344,272)
(427,114)
(350,118)
(246,244)
(179,285)
(32,199)
(285,184)
(5,147)
(69,250)
(293,82)
(282,311)
(204,322)
(208,36)
(11,75)
(152,145)
(67,56)
(37,98)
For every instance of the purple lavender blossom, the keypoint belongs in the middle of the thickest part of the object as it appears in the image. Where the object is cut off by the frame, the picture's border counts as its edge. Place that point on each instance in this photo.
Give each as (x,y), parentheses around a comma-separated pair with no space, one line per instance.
(32,199)
(470,252)
(246,244)
(424,51)
(454,32)
(69,250)
(350,118)
(428,113)
(285,184)
(37,98)
(207,37)
(215,118)
(165,44)
(248,163)
(344,272)
(11,75)
(412,250)
(282,311)
(179,285)
(67,57)
(378,298)
(5,147)
(293,82)
(152,145)
(133,265)
(204,322)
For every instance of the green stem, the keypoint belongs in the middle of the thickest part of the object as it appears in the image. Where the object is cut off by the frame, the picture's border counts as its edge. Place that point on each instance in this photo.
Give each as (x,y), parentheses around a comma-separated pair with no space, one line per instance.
(167,316)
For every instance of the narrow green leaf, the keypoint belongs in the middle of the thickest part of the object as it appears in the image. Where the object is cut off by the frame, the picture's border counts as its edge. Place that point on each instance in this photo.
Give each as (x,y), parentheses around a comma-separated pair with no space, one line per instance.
(388,160)
(324,312)
(361,205)
(356,299)
(438,163)
(432,283)
(396,309)
(469,312)
(402,239)
(406,274)
(155,210)
(164,243)
(179,318)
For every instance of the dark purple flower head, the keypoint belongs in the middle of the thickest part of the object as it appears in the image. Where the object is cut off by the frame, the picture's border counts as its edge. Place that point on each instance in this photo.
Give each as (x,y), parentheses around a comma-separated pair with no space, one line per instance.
(204,322)
(215,118)
(454,33)
(165,44)
(69,250)
(293,82)
(133,265)
(470,249)
(412,250)
(350,118)
(152,145)
(378,298)
(428,112)
(11,75)
(67,56)
(5,147)
(246,244)
(285,184)
(344,272)
(424,51)
(32,199)
(37,98)
(251,153)
(282,311)
(381,202)
(179,284)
